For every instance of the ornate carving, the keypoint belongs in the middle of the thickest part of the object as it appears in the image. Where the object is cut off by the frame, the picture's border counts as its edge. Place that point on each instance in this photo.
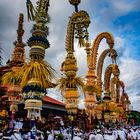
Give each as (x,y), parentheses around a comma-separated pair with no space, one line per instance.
(125,101)
(95,46)
(77,27)
(38,41)
(102,57)
(78,24)
(18,53)
(115,89)
(92,58)
(122,86)
(74,2)
(111,69)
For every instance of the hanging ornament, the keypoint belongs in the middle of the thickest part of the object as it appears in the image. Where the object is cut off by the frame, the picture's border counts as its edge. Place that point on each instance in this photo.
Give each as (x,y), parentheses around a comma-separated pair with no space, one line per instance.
(30,10)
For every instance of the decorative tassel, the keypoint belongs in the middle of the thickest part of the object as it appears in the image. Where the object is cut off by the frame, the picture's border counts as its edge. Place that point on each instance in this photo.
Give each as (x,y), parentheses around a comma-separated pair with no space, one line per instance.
(47,5)
(81,42)
(30,10)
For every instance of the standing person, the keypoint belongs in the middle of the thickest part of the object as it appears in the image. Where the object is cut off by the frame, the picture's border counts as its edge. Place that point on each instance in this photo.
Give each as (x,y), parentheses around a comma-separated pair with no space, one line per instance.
(129,136)
(32,122)
(109,136)
(26,123)
(50,136)
(121,134)
(12,123)
(115,133)
(77,137)
(38,123)
(32,133)
(105,134)
(99,136)
(92,136)
(16,135)
(7,132)
(134,133)
(18,124)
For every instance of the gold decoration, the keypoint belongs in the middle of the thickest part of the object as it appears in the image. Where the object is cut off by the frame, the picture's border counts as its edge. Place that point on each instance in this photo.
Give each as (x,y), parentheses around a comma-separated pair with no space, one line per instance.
(112,105)
(74,2)
(18,53)
(13,108)
(69,84)
(79,21)
(95,46)
(71,93)
(111,69)
(33,104)
(102,57)
(94,86)
(3,113)
(39,70)
(11,77)
(71,103)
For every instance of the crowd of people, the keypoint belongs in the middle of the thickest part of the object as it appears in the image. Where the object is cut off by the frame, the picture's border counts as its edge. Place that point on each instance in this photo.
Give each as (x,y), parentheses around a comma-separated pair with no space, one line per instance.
(21,129)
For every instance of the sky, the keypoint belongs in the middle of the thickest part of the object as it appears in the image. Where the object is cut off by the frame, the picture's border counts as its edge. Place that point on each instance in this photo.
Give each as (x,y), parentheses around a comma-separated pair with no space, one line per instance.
(121,18)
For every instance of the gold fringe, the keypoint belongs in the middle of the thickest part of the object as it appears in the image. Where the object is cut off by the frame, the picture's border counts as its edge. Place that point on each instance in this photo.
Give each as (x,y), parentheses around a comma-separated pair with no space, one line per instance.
(81,42)
(30,10)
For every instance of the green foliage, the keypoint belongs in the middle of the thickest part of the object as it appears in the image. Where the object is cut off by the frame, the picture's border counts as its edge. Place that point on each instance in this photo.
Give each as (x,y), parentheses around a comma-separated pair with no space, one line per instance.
(135,115)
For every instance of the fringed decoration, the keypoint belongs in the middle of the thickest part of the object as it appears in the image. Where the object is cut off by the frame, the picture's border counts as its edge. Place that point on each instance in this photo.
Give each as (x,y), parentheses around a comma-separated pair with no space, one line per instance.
(30,10)
(47,5)
(81,42)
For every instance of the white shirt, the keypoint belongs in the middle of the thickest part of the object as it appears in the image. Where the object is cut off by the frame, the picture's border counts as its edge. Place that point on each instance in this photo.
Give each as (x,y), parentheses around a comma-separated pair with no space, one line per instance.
(129,135)
(109,137)
(16,136)
(76,138)
(122,135)
(91,137)
(18,125)
(50,137)
(134,134)
(99,137)
(115,134)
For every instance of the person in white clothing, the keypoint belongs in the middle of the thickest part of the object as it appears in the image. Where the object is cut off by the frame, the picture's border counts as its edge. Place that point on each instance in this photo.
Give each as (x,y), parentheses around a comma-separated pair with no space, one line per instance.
(16,135)
(134,134)
(50,136)
(109,136)
(91,136)
(76,138)
(129,136)
(18,124)
(121,134)
(115,133)
(98,136)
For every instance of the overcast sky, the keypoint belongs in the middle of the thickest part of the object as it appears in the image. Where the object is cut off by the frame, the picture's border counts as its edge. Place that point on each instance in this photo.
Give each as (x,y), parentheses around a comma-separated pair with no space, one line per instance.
(121,18)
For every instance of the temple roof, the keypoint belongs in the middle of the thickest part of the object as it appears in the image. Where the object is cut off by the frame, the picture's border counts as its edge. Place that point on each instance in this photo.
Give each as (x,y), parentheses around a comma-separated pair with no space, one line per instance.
(45,99)
(53,101)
